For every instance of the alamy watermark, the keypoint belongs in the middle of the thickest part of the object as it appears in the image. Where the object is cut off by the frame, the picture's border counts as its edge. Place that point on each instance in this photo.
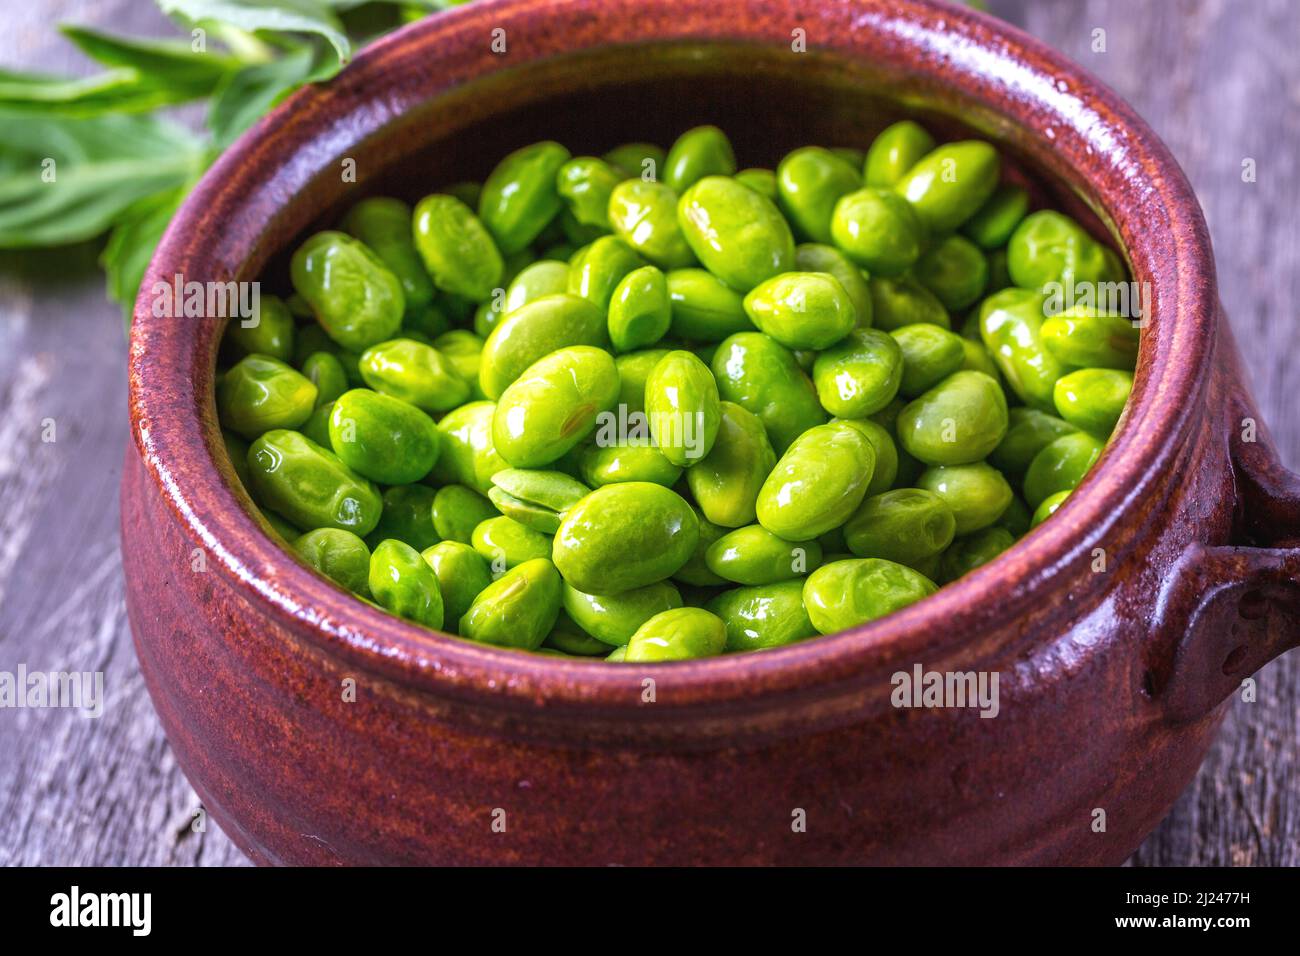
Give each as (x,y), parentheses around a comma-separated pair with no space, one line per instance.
(73,690)
(1129,300)
(133,911)
(947,689)
(194,300)
(623,428)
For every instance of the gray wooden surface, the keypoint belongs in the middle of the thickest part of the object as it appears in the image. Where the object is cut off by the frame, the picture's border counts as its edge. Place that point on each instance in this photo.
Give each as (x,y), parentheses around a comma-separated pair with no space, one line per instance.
(1219,81)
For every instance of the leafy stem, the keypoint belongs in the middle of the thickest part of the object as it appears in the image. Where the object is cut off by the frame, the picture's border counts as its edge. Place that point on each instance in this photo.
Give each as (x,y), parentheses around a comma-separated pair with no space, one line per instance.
(84,157)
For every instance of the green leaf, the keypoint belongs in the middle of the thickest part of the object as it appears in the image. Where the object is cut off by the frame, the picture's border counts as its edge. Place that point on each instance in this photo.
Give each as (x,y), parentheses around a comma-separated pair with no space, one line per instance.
(67,180)
(279,16)
(132,242)
(117,91)
(146,75)
(249,94)
(166,62)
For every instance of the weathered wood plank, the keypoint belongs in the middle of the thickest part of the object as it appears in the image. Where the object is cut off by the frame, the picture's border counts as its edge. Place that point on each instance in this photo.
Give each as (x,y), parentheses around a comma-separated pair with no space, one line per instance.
(74,790)
(1218,81)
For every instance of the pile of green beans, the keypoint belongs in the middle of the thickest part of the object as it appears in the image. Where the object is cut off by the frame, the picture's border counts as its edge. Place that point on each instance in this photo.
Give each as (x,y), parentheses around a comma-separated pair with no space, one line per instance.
(650,407)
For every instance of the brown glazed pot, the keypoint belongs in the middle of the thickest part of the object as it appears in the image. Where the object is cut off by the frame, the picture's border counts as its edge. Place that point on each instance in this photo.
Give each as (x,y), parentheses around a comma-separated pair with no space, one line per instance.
(1112,682)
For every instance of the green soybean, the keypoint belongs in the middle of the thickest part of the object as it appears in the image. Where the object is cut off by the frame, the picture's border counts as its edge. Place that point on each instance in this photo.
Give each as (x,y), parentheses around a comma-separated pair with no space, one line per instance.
(738,235)
(845,594)
(520,197)
(339,555)
(681,634)
(402,583)
(818,483)
(457,249)
(354,296)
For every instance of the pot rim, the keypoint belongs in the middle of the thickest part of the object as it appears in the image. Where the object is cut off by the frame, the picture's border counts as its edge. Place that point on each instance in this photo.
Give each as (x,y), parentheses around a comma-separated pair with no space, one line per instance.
(1087,127)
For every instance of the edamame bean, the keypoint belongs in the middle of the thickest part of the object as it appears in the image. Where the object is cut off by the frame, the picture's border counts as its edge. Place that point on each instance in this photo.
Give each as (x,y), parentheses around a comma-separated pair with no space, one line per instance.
(753,555)
(845,594)
(699,152)
(310,486)
(458,510)
(907,525)
(468,456)
(462,575)
(960,420)
(818,483)
(682,404)
(271,333)
(613,618)
(385,225)
(678,635)
(738,235)
(600,465)
(810,181)
(533,331)
(761,375)
(904,301)
(339,555)
(976,493)
(802,310)
(644,215)
(519,197)
(1092,399)
(761,180)
(402,583)
(970,552)
(625,536)
(416,373)
(930,354)
(1049,247)
(860,374)
(536,499)
(597,269)
(950,183)
(383,438)
(994,222)
(894,151)
(763,616)
(878,230)
(725,482)
(1047,507)
(640,310)
(457,248)
(518,609)
(1060,466)
(584,183)
(407,517)
(262,393)
(553,405)
(1083,337)
(643,160)
(703,307)
(325,371)
(505,543)
(1029,431)
(1011,327)
(955,270)
(355,298)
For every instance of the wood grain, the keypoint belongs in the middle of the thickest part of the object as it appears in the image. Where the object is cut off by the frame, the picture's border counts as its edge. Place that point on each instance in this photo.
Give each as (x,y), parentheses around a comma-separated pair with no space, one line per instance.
(1216,80)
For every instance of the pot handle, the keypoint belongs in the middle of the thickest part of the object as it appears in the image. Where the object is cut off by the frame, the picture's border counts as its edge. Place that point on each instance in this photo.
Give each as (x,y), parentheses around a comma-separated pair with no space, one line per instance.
(1241,602)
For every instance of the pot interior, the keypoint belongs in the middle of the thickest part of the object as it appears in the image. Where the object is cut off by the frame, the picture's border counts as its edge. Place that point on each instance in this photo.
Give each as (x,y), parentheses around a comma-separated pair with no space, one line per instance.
(430,106)
(768,100)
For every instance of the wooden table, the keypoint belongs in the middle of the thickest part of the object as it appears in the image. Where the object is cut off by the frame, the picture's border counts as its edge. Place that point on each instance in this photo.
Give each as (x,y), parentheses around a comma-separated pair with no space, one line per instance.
(1219,82)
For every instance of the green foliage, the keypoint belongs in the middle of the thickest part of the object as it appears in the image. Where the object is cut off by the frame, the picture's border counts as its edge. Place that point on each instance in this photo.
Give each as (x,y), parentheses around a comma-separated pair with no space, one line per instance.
(81,157)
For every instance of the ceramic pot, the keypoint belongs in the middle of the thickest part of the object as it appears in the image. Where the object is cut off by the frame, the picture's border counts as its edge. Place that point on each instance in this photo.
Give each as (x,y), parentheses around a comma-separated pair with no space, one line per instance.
(319,730)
